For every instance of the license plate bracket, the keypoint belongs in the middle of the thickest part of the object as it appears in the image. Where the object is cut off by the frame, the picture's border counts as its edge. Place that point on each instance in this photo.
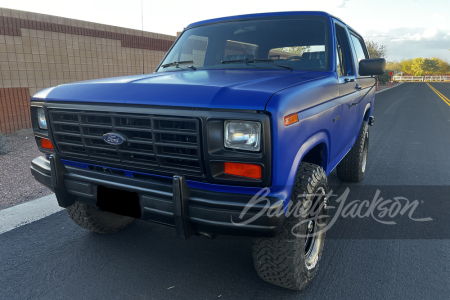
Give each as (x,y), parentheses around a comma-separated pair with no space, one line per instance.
(119,202)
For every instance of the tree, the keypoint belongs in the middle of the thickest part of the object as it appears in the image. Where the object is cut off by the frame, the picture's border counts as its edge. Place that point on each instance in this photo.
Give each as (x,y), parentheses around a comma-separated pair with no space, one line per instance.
(406,66)
(444,67)
(376,50)
(417,66)
(430,66)
(394,66)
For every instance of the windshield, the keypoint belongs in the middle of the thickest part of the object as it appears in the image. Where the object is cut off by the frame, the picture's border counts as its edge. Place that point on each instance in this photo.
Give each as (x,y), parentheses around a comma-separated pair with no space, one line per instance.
(299,43)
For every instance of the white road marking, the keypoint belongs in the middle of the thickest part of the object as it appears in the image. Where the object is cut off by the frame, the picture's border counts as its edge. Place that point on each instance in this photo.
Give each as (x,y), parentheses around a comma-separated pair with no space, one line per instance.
(26,213)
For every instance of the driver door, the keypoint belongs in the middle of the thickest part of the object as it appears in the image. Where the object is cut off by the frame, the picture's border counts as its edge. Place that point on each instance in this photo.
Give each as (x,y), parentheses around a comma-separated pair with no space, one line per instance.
(348,88)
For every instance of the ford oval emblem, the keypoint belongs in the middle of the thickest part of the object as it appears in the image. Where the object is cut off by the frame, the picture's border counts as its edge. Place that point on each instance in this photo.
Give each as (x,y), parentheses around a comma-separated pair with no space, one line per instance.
(114,138)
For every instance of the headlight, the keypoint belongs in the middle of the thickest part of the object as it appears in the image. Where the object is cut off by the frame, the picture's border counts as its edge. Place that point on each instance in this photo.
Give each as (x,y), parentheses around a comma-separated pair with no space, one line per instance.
(243,135)
(41,118)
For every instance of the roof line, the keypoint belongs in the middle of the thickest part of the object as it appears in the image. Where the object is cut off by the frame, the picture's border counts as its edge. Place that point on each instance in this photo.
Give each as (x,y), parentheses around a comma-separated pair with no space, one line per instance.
(260,15)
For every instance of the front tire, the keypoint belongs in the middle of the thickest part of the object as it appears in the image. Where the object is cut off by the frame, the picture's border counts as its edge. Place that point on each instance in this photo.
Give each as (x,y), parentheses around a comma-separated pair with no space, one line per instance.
(291,259)
(353,166)
(88,217)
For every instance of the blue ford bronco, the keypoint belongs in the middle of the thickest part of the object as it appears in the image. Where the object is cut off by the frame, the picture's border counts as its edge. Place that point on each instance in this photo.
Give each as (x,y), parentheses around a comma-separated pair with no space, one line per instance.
(234,133)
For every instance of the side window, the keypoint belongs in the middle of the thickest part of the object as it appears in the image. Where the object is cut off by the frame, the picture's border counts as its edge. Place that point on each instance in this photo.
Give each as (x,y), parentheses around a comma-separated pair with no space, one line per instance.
(339,63)
(343,50)
(359,48)
(194,48)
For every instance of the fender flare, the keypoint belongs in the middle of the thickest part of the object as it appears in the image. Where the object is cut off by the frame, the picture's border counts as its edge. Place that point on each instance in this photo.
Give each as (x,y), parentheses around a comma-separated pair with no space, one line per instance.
(320,137)
(367,108)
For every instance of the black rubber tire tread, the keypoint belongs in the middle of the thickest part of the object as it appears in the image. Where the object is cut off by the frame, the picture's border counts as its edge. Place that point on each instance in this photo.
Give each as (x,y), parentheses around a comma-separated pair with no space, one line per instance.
(281,260)
(90,218)
(350,167)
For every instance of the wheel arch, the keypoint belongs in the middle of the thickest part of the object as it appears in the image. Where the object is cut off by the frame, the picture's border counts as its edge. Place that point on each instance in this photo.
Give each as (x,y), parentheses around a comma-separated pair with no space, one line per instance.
(309,149)
(367,112)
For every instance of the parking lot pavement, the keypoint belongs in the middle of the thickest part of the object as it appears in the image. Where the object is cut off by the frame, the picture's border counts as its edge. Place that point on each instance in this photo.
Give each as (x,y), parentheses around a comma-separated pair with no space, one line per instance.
(17,185)
(52,258)
(28,212)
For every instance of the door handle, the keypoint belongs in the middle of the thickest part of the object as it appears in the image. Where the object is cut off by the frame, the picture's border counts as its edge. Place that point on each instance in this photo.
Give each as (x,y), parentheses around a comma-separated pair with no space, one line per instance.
(358,87)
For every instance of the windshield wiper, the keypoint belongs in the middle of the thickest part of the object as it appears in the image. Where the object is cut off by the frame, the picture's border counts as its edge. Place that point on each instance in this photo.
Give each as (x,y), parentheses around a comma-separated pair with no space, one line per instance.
(176,63)
(267,61)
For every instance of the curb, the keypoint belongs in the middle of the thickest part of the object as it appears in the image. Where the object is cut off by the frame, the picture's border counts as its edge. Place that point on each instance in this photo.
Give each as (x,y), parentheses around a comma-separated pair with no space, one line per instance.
(388,89)
(25,213)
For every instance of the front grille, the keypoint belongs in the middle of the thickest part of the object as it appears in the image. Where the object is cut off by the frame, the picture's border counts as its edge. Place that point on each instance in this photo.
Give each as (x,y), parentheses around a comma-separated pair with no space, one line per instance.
(166,143)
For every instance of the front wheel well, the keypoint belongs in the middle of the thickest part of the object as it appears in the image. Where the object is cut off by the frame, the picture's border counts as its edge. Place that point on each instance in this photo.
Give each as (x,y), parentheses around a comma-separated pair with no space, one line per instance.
(366,115)
(316,155)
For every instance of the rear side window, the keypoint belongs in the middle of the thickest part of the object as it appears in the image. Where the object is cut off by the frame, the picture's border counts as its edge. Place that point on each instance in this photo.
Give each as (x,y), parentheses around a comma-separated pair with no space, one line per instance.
(344,57)
(359,47)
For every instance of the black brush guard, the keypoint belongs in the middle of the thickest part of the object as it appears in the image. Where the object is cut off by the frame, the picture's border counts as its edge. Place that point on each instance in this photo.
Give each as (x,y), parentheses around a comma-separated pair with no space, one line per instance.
(170,202)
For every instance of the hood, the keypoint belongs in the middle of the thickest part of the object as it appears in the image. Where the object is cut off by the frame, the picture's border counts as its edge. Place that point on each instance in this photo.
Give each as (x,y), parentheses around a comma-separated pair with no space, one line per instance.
(226,89)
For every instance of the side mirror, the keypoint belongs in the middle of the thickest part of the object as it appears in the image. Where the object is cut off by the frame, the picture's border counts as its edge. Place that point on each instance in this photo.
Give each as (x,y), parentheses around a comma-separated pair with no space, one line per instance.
(374,66)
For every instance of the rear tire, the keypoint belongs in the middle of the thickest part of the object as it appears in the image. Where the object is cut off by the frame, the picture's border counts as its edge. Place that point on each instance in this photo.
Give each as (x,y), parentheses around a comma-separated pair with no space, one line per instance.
(90,218)
(353,166)
(289,260)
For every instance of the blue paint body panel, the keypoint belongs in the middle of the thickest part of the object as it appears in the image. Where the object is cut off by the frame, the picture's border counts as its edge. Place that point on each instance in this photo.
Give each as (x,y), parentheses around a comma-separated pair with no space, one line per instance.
(317,98)
(224,89)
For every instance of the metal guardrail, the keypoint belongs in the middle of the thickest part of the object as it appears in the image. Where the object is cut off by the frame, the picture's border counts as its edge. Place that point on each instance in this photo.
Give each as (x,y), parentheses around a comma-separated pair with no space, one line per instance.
(421,78)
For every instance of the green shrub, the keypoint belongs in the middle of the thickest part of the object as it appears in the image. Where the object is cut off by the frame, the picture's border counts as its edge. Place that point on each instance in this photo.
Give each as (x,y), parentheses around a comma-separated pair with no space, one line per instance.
(3,146)
(385,77)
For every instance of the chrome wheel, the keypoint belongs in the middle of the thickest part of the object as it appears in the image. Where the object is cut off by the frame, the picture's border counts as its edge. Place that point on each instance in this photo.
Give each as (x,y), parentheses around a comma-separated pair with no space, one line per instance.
(310,237)
(314,236)
(365,153)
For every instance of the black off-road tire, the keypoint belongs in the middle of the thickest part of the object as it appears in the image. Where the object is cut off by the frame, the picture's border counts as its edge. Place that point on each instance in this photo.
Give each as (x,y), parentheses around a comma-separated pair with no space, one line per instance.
(283,260)
(353,166)
(94,220)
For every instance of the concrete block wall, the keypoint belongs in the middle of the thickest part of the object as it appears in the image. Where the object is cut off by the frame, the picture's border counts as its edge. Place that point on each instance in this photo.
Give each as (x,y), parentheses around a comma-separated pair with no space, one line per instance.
(39,51)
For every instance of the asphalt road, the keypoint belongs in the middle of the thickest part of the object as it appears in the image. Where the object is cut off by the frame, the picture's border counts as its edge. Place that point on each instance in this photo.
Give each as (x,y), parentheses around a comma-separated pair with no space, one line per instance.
(409,147)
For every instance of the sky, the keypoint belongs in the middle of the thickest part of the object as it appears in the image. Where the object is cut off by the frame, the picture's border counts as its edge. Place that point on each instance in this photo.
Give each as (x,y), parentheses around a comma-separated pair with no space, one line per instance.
(409,28)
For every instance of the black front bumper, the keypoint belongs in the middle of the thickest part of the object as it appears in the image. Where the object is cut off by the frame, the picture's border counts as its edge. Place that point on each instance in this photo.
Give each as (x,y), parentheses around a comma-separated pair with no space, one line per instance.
(166,201)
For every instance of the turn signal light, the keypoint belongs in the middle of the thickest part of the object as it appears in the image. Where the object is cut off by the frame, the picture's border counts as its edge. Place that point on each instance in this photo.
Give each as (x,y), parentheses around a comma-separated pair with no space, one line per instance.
(46,144)
(244,170)
(291,119)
